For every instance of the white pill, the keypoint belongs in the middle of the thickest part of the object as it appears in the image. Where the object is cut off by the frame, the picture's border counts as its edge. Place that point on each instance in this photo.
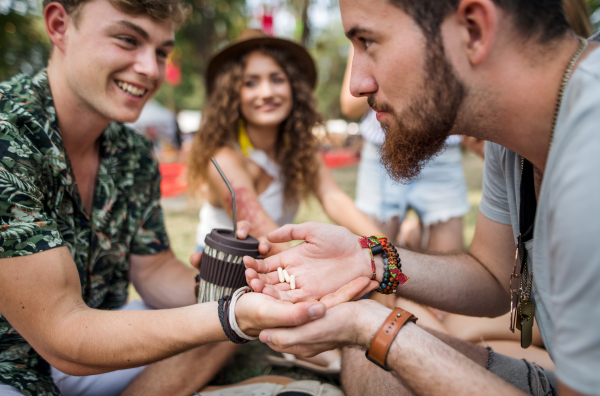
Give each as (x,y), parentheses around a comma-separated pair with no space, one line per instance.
(293,282)
(286,276)
(280,273)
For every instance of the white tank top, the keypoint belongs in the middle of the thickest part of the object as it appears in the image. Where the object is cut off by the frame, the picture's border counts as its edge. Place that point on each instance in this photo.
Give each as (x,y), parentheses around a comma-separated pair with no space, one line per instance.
(271,200)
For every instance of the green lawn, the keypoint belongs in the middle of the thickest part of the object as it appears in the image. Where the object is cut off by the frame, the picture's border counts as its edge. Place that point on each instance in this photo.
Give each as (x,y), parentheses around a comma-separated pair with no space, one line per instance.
(182,217)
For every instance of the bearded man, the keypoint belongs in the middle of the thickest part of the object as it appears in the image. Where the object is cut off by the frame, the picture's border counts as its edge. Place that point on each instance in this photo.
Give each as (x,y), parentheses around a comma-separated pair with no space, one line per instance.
(510,72)
(80,218)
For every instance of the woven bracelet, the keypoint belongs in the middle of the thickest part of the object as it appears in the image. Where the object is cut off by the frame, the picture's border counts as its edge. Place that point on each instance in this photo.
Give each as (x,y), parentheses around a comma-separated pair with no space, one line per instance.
(224,319)
(392,268)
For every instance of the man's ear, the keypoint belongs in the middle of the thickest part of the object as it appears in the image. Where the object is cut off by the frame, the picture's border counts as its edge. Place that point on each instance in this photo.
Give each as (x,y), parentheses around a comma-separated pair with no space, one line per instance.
(480,18)
(57,21)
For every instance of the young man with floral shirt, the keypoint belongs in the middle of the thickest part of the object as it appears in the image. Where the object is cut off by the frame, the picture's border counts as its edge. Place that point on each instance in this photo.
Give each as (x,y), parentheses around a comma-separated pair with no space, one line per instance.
(80,218)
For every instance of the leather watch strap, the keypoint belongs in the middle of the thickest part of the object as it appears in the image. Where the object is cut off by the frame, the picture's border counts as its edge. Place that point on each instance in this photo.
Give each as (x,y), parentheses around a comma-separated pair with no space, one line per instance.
(380,346)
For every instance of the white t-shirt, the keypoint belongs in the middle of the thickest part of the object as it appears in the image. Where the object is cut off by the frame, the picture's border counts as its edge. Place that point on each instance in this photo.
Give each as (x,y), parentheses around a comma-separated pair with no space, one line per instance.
(565,250)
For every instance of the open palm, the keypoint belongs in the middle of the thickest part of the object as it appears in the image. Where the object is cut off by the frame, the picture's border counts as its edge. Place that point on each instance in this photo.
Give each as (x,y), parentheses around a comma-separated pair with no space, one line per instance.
(329,258)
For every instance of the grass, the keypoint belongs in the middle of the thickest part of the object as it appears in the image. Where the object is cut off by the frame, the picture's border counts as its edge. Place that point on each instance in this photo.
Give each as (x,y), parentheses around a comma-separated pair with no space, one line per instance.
(181,217)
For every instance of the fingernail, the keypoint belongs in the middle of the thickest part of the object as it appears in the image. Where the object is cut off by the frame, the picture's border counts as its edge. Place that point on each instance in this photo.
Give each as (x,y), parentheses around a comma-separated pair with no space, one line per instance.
(242,234)
(265,337)
(316,311)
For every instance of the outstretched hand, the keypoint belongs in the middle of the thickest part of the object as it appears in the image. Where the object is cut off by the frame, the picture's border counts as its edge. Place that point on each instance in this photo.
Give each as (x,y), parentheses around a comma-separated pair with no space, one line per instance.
(353,323)
(329,258)
(257,311)
(243,230)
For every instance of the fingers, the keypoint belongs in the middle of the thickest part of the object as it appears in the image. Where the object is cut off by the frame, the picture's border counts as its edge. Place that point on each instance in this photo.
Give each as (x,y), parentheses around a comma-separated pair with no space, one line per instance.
(279,292)
(257,285)
(195,259)
(370,287)
(290,232)
(297,339)
(263,266)
(347,292)
(273,313)
(305,350)
(264,246)
(243,229)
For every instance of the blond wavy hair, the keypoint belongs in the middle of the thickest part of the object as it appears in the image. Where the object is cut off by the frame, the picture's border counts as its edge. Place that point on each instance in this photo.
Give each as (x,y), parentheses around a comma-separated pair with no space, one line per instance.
(296,146)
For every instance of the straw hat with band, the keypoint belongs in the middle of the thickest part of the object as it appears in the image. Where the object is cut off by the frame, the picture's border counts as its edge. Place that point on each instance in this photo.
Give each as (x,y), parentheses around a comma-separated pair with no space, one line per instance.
(251,39)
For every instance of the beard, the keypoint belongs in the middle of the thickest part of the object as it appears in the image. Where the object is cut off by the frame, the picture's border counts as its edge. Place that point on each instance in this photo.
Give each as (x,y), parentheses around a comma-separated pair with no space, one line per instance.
(419,132)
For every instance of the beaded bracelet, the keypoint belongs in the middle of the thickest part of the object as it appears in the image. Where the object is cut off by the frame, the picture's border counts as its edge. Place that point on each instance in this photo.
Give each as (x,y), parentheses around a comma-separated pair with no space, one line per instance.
(392,267)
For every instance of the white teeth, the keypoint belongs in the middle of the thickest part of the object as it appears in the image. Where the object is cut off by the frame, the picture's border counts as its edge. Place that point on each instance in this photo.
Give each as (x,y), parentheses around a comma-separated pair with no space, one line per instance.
(131,89)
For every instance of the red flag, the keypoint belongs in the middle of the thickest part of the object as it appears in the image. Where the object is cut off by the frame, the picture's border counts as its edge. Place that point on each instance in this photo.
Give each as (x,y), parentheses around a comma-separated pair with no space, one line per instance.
(173,74)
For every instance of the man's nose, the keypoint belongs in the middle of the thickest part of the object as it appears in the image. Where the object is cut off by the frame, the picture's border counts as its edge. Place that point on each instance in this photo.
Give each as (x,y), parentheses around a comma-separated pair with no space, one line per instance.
(362,82)
(147,65)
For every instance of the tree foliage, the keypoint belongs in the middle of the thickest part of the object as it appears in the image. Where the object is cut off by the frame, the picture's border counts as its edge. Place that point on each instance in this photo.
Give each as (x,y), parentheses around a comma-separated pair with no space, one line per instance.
(23,40)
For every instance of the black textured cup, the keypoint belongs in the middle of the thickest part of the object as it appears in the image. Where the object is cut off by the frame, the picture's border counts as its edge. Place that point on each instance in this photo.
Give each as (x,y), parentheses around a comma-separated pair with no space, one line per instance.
(221,268)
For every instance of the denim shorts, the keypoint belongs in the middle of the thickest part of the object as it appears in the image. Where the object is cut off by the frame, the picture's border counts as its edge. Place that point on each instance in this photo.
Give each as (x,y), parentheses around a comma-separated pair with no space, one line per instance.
(439,194)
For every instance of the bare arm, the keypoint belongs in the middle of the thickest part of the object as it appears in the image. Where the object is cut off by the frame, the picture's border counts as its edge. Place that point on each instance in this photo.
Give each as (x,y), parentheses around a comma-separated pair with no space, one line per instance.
(424,364)
(162,280)
(340,208)
(41,298)
(352,107)
(474,283)
(248,206)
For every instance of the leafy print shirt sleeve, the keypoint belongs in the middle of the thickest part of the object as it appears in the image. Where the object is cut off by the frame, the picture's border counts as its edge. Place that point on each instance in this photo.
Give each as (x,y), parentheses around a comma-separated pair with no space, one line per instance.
(25,227)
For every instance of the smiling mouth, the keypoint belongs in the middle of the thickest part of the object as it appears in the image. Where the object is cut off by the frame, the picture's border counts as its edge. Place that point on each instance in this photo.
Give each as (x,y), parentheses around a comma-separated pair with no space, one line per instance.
(130,89)
(269,107)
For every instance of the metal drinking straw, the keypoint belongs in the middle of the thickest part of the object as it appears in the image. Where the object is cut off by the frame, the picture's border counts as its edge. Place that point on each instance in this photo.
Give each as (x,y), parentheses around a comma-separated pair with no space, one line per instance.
(214,161)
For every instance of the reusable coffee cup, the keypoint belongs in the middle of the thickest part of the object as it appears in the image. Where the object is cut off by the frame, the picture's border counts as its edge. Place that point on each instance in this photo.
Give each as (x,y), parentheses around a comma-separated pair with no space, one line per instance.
(221,267)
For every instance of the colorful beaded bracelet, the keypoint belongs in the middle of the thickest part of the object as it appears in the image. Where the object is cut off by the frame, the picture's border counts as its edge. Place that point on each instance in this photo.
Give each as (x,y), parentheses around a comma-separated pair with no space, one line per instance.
(392,267)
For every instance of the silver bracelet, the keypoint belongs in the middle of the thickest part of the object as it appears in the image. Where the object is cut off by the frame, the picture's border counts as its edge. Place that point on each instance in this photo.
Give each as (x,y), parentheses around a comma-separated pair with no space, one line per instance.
(234,326)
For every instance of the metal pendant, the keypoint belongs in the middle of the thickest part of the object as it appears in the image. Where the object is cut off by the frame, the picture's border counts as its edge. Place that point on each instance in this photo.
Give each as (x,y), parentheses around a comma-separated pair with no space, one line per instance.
(515,287)
(526,315)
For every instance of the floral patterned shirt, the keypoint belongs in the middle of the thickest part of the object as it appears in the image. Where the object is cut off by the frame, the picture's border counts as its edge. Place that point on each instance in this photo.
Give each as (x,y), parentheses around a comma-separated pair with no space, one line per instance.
(40,209)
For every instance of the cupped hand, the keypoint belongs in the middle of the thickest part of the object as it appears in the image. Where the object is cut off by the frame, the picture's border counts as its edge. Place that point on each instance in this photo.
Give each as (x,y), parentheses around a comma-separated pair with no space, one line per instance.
(329,258)
(256,311)
(352,323)
(243,229)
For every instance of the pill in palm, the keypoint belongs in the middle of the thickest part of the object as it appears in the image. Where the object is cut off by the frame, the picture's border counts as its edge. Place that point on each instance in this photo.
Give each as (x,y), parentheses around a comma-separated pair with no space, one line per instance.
(293,282)
(280,273)
(286,276)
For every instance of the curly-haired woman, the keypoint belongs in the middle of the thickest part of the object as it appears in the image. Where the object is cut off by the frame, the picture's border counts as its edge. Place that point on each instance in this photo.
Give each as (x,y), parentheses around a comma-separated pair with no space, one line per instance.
(258,125)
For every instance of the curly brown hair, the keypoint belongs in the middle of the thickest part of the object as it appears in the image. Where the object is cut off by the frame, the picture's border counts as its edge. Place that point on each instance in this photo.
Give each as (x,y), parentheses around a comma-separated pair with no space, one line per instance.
(296,146)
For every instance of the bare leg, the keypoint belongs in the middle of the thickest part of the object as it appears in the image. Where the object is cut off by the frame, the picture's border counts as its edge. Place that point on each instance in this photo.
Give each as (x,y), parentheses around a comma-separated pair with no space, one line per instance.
(390,228)
(427,316)
(447,236)
(411,234)
(361,377)
(476,329)
(182,374)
